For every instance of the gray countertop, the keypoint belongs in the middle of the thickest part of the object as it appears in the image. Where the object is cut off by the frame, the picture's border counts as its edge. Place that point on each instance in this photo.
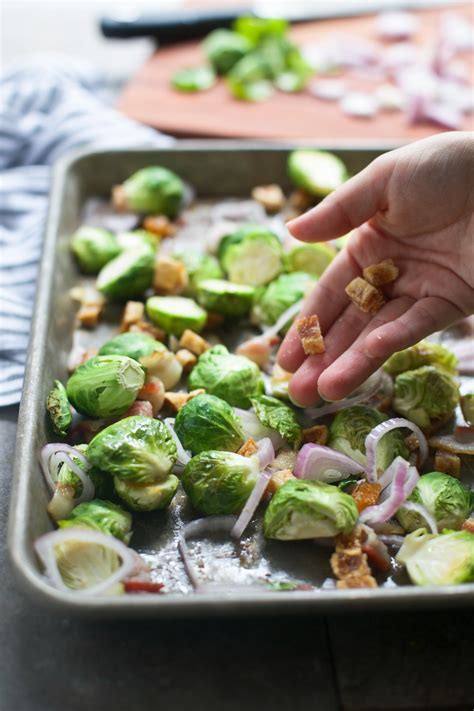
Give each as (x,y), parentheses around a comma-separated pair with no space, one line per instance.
(369,661)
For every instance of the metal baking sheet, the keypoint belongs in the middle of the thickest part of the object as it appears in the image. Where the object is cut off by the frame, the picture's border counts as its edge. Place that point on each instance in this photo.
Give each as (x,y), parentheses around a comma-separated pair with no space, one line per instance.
(81,186)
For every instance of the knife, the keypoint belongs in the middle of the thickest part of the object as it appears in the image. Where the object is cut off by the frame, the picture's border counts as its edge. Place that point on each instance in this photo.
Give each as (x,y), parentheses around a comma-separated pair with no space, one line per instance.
(187,23)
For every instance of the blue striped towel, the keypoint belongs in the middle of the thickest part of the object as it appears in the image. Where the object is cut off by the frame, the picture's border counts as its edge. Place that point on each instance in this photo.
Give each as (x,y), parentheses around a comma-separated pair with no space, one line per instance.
(48,107)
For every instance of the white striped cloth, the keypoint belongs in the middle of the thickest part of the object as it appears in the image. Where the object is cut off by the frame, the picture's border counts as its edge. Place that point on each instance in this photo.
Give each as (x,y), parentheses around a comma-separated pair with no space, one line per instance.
(47,107)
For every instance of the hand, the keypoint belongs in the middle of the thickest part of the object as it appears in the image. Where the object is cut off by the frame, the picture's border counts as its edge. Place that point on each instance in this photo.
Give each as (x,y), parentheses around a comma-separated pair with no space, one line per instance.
(415,205)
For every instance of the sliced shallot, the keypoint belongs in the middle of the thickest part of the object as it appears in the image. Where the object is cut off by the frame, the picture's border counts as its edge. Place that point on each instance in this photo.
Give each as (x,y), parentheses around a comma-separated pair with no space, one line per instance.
(315,461)
(376,435)
(183,455)
(367,390)
(252,503)
(281,322)
(46,544)
(382,512)
(52,455)
(265,452)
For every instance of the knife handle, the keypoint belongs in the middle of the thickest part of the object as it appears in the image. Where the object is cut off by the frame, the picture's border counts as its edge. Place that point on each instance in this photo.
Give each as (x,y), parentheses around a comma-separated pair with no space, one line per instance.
(168,28)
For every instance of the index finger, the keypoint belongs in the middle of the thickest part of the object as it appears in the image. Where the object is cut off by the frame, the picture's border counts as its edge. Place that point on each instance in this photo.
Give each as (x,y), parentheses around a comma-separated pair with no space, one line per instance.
(327,300)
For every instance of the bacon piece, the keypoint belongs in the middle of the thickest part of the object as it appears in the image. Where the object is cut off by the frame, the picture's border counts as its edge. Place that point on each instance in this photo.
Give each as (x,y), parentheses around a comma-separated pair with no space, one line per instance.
(159,225)
(447,463)
(249,448)
(309,332)
(365,494)
(91,305)
(468,525)
(133,312)
(318,434)
(213,321)
(187,359)
(349,562)
(258,349)
(278,479)
(366,297)
(153,392)
(271,197)
(142,586)
(139,407)
(193,342)
(170,276)
(175,401)
(382,273)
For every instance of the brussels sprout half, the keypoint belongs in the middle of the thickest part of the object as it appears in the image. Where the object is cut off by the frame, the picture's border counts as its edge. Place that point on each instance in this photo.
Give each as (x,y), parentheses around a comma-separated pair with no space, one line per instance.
(59,409)
(152,190)
(133,345)
(349,429)
(251,255)
(309,509)
(147,497)
(423,353)
(224,48)
(137,449)
(105,386)
(137,239)
(207,422)
(175,314)
(83,565)
(443,496)
(231,377)
(102,516)
(128,275)
(446,559)
(317,172)
(225,297)
(278,296)
(277,415)
(425,395)
(220,482)
(199,266)
(310,258)
(93,247)
(193,79)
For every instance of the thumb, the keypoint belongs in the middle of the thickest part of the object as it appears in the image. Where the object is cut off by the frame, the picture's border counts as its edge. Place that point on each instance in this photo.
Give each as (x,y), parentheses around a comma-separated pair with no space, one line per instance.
(355,202)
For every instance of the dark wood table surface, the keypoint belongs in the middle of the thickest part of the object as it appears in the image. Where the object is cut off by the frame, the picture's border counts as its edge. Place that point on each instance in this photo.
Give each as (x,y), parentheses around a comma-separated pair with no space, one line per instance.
(419,660)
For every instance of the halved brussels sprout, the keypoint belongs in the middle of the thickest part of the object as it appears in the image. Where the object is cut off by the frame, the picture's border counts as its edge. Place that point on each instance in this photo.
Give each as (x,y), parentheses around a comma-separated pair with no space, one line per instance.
(207,422)
(147,497)
(231,377)
(446,559)
(349,429)
(251,255)
(131,344)
(309,258)
(225,297)
(444,497)
(249,79)
(137,239)
(83,565)
(137,449)
(193,79)
(309,509)
(128,275)
(199,266)
(101,516)
(279,296)
(425,395)
(152,190)
(59,409)
(224,48)
(93,247)
(175,314)
(277,415)
(317,172)
(105,386)
(423,353)
(220,482)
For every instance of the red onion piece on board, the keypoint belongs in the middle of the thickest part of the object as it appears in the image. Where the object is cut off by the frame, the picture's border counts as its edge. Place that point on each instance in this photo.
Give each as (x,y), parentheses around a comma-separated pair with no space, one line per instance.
(314,460)
(423,511)
(359,104)
(382,512)
(376,435)
(252,503)
(396,25)
(45,548)
(328,89)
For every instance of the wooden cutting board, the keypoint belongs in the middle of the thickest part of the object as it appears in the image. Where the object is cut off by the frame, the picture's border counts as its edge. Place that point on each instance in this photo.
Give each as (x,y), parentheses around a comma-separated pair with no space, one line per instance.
(150,99)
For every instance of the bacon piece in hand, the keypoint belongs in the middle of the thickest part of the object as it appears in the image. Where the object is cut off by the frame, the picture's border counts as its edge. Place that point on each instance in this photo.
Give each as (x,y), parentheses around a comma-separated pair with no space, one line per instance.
(309,332)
